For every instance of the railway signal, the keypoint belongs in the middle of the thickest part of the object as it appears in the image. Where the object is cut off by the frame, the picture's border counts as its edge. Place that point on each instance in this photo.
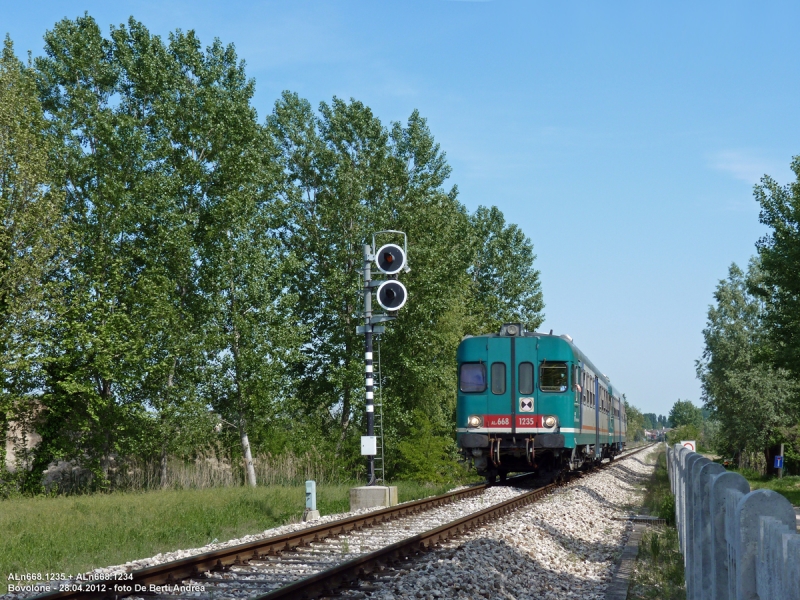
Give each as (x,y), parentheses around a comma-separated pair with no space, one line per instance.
(390,259)
(392,295)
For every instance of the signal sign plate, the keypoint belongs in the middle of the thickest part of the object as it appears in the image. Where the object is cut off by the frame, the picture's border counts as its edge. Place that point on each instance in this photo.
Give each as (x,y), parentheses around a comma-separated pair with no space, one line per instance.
(690,444)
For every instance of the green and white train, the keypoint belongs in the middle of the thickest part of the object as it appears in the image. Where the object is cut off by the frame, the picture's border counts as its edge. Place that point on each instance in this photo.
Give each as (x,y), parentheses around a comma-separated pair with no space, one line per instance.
(530,402)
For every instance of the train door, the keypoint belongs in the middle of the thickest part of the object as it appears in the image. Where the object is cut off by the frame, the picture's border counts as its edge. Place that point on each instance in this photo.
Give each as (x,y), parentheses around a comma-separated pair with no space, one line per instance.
(499,410)
(525,401)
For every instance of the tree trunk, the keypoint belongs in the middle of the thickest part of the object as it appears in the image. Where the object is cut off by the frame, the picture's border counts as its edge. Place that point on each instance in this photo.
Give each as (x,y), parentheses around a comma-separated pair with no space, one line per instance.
(164,426)
(164,466)
(248,457)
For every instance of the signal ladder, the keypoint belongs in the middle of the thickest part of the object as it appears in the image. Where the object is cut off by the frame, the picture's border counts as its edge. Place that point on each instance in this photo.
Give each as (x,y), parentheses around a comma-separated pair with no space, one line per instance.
(379,462)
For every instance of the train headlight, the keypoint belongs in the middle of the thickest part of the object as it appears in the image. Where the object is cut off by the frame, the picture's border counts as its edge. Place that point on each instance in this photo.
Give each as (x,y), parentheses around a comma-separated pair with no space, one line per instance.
(549,421)
(474,421)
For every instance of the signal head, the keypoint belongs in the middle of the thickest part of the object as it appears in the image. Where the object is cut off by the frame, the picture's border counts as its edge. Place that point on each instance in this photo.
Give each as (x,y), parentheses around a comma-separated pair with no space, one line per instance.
(392,295)
(390,259)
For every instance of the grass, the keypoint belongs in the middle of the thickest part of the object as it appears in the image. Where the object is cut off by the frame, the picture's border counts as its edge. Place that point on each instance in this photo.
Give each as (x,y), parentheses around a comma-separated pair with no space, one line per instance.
(73,534)
(658,573)
(658,499)
(787,486)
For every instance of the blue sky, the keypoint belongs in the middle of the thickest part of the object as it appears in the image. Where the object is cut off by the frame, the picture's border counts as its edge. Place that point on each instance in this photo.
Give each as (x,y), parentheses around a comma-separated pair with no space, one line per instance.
(624,138)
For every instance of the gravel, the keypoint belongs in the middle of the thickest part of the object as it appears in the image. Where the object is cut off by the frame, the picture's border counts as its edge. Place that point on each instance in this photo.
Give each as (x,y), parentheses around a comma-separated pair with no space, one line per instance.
(564,546)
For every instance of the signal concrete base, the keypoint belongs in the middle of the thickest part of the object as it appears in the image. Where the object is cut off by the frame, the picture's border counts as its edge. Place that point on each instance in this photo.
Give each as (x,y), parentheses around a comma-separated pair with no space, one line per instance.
(310,515)
(370,496)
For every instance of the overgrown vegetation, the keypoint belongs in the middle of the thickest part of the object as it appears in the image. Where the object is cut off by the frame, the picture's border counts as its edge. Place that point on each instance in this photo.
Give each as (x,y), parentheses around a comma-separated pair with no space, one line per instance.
(658,499)
(658,573)
(73,534)
(178,278)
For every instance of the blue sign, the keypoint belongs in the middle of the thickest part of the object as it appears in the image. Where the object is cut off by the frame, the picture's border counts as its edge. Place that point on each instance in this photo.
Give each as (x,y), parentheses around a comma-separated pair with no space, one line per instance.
(779,462)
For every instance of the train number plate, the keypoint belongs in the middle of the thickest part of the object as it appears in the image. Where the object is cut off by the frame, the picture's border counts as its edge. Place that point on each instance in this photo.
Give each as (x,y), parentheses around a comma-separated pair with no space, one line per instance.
(531,421)
(497,421)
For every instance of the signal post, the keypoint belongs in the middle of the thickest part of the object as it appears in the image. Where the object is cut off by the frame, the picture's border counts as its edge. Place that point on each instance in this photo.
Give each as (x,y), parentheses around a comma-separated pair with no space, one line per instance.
(391,294)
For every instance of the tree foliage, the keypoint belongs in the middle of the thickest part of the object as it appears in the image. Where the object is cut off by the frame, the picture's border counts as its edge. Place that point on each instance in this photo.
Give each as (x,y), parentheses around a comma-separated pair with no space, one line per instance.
(30,208)
(636,422)
(507,286)
(751,398)
(178,275)
(683,412)
(779,253)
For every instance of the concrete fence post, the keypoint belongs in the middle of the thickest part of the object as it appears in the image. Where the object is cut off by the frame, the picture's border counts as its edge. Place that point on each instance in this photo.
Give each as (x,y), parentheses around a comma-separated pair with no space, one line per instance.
(736,544)
(681,496)
(749,510)
(688,543)
(705,558)
(694,575)
(791,550)
(722,487)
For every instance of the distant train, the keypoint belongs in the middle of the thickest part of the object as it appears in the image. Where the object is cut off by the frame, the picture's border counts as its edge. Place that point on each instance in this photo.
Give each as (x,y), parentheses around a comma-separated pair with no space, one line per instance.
(530,402)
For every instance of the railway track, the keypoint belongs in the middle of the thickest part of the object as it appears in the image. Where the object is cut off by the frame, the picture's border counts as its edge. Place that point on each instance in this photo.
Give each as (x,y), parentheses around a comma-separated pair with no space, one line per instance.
(316,561)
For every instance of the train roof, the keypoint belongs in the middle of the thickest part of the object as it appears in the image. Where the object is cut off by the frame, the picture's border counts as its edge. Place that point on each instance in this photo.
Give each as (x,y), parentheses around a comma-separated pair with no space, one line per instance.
(564,337)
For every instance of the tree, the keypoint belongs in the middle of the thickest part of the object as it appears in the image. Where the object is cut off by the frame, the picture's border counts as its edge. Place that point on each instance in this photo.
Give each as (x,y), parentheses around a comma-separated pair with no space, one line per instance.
(683,412)
(750,398)
(650,420)
(95,360)
(636,425)
(779,254)
(172,281)
(346,177)
(30,209)
(507,287)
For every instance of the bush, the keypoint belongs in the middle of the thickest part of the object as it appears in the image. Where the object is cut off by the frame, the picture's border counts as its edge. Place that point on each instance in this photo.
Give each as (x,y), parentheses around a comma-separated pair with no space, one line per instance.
(428,457)
(685,432)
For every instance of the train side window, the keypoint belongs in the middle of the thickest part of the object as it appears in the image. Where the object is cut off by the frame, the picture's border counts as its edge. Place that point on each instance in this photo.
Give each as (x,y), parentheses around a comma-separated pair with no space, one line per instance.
(526,378)
(472,377)
(498,378)
(553,377)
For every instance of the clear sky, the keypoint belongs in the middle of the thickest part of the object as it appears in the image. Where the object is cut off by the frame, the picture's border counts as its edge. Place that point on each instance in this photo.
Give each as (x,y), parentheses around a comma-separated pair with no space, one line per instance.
(624,138)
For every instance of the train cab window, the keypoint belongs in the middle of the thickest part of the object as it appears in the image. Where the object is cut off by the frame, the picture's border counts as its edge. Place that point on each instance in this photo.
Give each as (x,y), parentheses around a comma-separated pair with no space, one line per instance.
(472,377)
(553,377)
(498,378)
(526,378)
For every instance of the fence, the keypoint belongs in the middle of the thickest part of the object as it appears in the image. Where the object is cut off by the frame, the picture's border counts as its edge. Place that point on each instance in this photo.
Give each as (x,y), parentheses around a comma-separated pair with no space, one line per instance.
(736,544)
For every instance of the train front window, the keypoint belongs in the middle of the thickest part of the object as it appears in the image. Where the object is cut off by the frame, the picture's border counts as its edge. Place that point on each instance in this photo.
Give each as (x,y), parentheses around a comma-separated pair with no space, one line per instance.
(526,378)
(498,378)
(472,377)
(553,377)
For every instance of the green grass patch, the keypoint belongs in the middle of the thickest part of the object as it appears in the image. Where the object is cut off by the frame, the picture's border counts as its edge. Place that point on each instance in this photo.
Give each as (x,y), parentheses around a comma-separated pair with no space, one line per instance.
(658,499)
(73,534)
(658,573)
(787,486)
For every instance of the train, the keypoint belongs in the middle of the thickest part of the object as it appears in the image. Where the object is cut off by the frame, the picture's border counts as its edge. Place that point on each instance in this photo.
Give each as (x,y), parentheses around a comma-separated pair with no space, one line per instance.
(531,402)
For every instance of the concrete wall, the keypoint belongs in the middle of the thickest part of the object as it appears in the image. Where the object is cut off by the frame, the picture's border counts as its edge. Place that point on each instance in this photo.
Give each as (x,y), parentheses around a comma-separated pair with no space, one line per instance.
(736,544)
(18,439)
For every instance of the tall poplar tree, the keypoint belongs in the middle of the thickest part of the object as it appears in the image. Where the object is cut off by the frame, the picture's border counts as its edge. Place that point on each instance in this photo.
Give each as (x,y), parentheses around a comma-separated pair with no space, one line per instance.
(751,399)
(506,285)
(30,209)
